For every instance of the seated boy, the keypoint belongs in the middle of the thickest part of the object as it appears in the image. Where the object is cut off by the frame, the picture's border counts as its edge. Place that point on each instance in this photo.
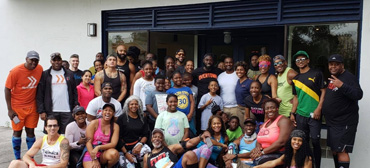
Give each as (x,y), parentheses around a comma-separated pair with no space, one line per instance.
(234,131)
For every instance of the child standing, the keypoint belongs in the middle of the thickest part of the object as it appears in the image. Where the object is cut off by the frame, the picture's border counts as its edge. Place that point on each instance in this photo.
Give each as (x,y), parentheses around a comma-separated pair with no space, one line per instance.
(187,81)
(155,101)
(184,95)
(174,123)
(207,102)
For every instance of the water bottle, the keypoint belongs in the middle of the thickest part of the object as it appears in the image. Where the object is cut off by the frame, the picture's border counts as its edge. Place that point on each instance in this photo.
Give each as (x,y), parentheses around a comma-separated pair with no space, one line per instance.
(230,149)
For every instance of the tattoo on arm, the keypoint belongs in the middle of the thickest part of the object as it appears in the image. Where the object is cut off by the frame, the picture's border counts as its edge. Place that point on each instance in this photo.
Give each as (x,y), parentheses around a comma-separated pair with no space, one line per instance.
(65,151)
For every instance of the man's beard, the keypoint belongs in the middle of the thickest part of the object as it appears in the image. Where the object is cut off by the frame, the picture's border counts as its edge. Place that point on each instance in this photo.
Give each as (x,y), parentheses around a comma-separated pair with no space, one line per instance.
(121,56)
(157,146)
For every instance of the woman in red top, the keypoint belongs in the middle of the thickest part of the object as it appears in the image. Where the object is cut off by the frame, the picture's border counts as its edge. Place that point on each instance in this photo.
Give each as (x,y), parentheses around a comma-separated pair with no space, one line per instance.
(273,134)
(85,90)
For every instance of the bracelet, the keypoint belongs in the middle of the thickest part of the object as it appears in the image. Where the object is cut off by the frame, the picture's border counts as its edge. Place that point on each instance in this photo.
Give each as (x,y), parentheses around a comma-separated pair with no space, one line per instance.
(292,113)
(200,137)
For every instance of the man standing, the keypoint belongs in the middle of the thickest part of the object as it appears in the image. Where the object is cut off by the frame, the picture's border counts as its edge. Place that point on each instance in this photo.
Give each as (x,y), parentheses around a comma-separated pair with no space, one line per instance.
(284,90)
(95,108)
(201,78)
(113,76)
(180,60)
(20,95)
(77,73)
(340,109)
(56,93)
(227,81)
(124,66)
(309,93)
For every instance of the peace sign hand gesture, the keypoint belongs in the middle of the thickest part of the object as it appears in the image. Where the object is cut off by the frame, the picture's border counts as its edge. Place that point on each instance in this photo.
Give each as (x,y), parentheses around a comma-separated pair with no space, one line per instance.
(336,82)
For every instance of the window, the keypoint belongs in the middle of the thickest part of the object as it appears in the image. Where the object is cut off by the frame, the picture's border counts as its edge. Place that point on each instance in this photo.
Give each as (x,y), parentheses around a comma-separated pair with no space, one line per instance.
(322,40)
(136,38)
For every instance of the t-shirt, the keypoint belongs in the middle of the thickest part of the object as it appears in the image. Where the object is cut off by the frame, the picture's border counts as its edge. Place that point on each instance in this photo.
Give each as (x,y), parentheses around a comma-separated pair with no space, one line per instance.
(227,84)
(242,90)
(77,75)
(256,108)
(142,87)
(23,85)
(95,107)
(59,91)
(183,97)
(307,88)
(207,112)
(234,134)
(284,92)
(173,124)
(201,79)
(84,95)
(194,89)
(340,105)
(154,98)
(253,73)
(73,134)
(163,159)
(131,129)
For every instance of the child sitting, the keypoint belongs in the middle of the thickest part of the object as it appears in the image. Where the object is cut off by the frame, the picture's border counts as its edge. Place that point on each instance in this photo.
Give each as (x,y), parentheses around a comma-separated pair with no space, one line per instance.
(234,131)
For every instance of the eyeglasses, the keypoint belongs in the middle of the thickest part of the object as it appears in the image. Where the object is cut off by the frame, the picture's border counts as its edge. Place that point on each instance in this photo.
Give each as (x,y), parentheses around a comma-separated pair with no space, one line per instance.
(50,126)
(278,63)
(300,60)
(263,65)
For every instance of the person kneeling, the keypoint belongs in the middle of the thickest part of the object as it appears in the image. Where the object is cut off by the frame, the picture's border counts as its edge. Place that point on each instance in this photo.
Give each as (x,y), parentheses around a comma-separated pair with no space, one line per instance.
(54,148)
(166,156)
(245,143)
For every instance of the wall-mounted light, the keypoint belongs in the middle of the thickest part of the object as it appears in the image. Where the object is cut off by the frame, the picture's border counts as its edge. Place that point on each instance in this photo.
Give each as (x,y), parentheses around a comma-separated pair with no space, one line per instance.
(91,29)
(227,37)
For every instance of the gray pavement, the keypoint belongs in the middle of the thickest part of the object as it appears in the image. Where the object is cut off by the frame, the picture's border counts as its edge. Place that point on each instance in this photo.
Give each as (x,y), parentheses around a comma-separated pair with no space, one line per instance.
(6,147)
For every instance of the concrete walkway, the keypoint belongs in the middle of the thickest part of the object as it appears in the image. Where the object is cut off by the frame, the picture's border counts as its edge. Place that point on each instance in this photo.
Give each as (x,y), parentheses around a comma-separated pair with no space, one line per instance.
(6,147)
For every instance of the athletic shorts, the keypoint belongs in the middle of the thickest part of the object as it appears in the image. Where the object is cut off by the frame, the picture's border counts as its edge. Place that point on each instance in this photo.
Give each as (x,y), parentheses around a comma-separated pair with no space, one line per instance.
(342,138)
(28,117)
(309,125)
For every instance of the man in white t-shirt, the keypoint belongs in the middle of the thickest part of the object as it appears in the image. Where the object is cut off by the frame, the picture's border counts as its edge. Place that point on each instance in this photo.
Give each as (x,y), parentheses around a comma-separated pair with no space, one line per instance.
(227,81)
(56,93)
(95,108)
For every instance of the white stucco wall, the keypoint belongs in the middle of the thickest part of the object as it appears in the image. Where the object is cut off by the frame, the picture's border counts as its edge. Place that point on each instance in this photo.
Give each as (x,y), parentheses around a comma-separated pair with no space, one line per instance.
(55,25)
(360,156)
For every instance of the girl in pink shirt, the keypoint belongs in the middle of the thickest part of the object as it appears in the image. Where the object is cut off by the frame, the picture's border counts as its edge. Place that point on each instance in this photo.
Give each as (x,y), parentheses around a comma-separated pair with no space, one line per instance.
(85,90)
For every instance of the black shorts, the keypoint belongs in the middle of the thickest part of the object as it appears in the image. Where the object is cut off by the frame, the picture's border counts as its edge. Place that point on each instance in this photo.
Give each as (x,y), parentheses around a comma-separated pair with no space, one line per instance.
(342,138)
(310,126)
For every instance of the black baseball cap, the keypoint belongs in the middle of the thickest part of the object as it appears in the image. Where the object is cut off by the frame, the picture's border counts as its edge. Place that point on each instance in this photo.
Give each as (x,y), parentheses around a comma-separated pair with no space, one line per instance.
(110,105)
(335,58)
(250,120)
(78,109)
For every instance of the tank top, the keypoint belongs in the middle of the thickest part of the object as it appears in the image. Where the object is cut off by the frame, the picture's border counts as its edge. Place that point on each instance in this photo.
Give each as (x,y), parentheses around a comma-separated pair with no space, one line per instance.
(245,148)
(164,158)
(266,88)
(116,84)
(100,137)
(125,69)
(284,92)
(268,135)
(51,153)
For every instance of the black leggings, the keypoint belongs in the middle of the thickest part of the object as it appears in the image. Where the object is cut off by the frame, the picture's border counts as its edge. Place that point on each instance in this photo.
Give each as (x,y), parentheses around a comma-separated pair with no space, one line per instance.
(74,155)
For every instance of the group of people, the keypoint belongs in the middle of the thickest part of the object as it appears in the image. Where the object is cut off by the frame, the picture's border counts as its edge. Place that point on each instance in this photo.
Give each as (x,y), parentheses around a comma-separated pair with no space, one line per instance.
(120,113)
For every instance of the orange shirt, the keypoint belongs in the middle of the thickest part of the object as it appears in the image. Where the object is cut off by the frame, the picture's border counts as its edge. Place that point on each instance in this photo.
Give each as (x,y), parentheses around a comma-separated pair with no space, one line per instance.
(23,85)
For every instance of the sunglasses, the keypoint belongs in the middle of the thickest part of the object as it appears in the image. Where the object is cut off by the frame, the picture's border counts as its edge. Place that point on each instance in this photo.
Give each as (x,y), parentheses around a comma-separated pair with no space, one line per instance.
(263,66)
(50,126)
(300,59)
(278,63)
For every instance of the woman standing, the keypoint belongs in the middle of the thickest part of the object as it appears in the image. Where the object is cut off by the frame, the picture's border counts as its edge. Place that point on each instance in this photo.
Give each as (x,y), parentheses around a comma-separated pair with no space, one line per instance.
(146,83)
(85,90)
(103,134)
(297,153)
(254,104)
(269,81)
(242,88)
(133,130)
(273,134)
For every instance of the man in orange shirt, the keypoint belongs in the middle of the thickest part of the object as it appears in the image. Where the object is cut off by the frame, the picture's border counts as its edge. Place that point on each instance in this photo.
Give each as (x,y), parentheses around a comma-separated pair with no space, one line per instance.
(20,96)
